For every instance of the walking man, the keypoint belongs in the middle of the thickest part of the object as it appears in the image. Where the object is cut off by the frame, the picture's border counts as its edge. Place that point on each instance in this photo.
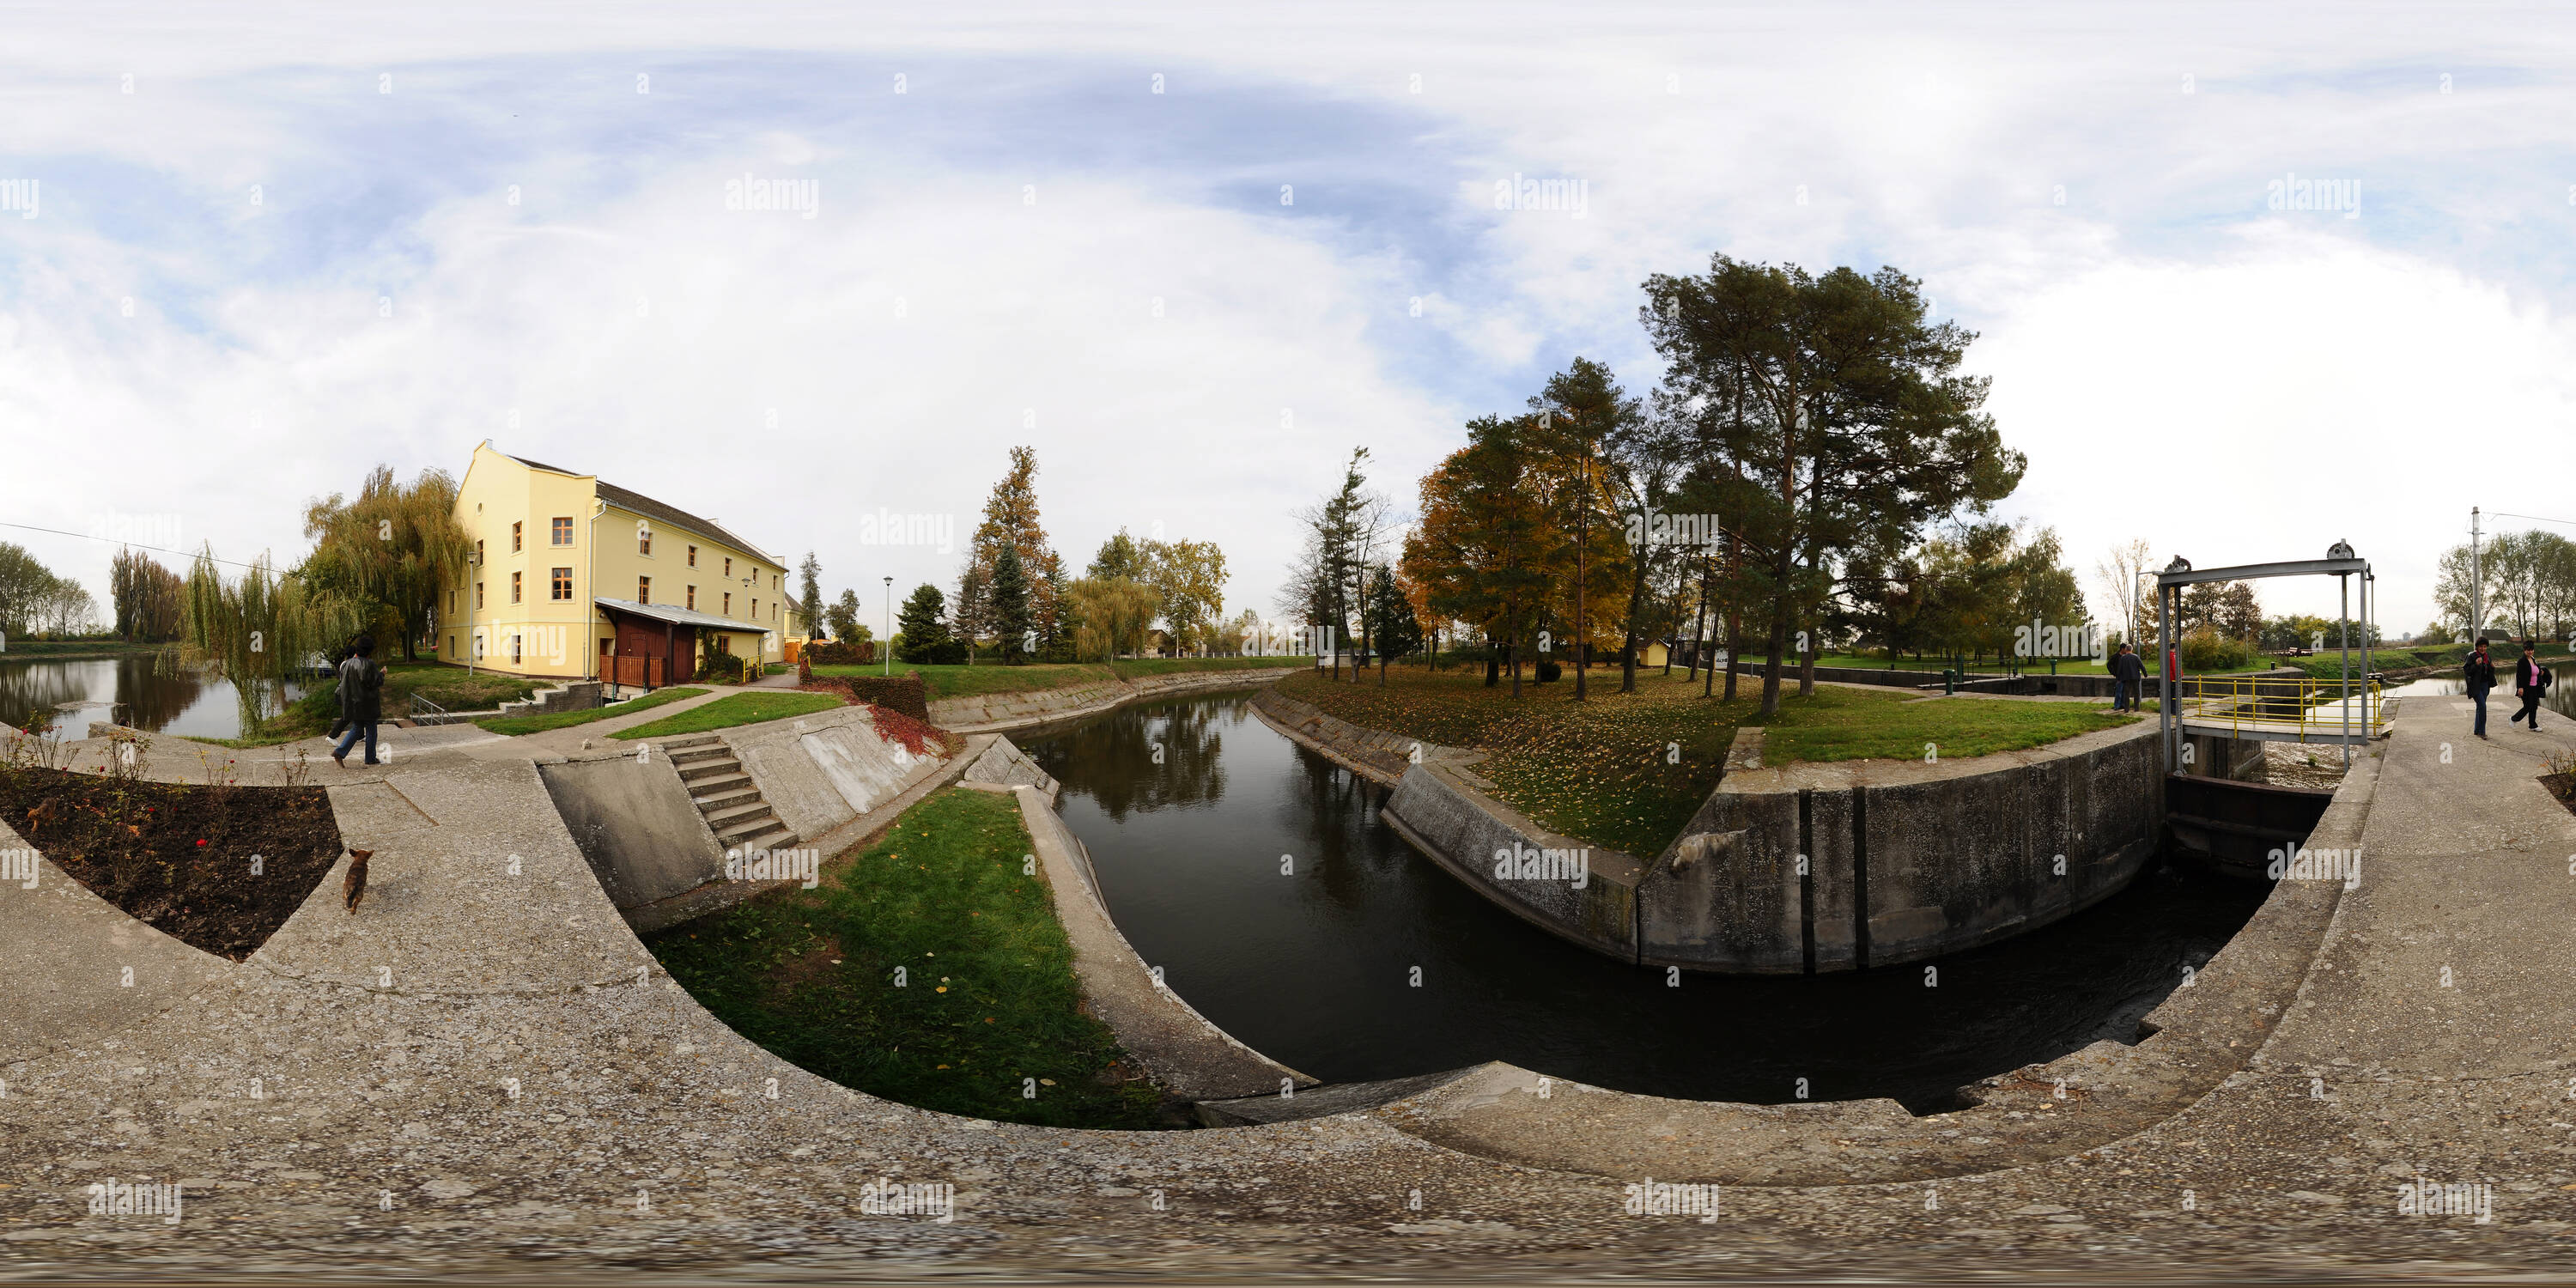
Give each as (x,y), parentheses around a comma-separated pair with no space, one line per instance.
(2126,672)
(2481,673)
(362,683)
(2530,679)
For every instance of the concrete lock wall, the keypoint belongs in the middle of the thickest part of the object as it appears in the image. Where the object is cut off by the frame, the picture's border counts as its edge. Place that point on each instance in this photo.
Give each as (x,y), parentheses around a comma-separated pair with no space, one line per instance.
(1908,861)
(1442,813)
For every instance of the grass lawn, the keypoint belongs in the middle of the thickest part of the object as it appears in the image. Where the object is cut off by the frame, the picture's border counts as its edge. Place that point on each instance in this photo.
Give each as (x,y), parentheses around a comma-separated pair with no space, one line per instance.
(1856,724)
(989,999)
(451,687)
(992,677)
(1628,770)
(516,725)
(735,709)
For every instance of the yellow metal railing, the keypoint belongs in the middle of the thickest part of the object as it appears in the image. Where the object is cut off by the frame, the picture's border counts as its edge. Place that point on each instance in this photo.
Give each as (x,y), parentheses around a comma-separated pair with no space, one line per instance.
(2293,707)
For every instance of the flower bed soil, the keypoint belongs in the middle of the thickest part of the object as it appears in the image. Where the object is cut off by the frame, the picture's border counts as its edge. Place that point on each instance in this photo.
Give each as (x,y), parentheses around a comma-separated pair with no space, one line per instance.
(177,857)
(2562,786)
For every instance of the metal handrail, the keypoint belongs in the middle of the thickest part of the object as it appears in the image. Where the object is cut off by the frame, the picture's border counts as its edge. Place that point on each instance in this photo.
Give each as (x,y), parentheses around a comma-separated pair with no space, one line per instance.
(2304,708)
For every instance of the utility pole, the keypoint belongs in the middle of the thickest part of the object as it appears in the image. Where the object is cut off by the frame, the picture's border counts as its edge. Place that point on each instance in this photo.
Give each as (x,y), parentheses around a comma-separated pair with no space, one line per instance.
(2477,583)
(889,639)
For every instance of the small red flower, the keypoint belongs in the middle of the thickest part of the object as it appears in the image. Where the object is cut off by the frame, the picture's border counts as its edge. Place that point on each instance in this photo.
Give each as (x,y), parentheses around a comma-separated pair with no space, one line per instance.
(201,840)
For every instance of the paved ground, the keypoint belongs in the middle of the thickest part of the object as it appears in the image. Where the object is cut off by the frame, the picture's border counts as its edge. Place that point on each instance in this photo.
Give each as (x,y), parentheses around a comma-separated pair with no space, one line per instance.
(523,1092)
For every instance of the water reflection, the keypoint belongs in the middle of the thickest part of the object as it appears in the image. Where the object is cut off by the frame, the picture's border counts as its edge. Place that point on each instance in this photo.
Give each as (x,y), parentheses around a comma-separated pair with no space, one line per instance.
(129,689)
(1316,965)
(1170,759)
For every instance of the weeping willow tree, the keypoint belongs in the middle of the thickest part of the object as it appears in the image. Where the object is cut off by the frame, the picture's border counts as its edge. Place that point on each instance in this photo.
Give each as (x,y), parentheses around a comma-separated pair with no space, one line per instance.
(259,630)
(385,554)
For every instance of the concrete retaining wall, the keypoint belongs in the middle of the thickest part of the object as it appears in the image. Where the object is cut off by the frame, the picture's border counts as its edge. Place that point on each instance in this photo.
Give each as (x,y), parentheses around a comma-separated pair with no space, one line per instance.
(986,713)
(1908,860)
(821,771)
(635,824)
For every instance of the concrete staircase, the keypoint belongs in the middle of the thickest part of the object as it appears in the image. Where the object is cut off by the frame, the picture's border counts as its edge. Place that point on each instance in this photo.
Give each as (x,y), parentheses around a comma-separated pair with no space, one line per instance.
(726,796)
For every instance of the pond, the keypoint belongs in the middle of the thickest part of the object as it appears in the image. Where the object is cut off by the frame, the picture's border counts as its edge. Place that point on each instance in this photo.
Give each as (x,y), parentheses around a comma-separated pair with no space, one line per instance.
(1187,808)
(128,689)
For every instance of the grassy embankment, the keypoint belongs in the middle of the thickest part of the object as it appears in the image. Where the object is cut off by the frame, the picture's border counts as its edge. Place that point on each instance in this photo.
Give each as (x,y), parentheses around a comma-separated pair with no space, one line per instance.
(992,677)
(516,725)
(1628,770)
(73,650)
(989,1007)
(751,707)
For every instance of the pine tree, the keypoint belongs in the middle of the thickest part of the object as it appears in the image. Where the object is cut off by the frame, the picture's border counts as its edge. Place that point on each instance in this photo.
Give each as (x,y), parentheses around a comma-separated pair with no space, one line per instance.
(810,604)
(925,630)
(1011,520)
(1009,606)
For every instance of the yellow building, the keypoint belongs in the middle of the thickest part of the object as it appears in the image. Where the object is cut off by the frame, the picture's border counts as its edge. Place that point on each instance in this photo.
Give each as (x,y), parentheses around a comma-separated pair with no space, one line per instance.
(574,578)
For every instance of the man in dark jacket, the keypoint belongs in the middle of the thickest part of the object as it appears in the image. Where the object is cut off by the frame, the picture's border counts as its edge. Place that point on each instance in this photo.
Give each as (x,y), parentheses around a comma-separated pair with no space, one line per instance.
(362,683)
(2481,674)
(2126,671)
(2530,679)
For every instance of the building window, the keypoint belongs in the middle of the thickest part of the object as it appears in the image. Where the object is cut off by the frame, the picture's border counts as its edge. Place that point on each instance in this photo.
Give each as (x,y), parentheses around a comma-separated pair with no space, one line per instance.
(693,556)
(563,583)
(478,550)
(478,594)
(643,590)
(451,646)
(514,586)
(728,603)
(514,650)
(515,538)
(563,531)
(451,603)
(728,565)
(693,598)
(755,608)
(643,541)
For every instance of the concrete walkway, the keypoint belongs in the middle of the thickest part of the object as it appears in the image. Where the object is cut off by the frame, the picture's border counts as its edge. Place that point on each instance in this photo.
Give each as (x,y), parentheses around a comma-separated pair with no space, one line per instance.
(527,1093)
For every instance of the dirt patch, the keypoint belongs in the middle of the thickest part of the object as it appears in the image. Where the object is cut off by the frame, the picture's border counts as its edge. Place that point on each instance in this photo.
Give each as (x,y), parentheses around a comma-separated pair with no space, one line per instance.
(179,857)
(2563,786)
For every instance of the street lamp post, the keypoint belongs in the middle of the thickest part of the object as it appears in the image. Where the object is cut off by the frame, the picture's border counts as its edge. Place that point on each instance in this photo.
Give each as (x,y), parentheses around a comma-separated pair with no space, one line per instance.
(889,644)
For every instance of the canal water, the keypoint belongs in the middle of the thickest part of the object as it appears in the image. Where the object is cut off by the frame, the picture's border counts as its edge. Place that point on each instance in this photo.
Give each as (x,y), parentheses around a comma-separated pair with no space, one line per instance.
(1259,877)
(127,689)
(2559,698)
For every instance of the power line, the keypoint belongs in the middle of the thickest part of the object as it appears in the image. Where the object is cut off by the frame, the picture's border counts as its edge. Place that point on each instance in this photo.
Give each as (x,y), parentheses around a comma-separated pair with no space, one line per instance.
(29,527)
(2536,518)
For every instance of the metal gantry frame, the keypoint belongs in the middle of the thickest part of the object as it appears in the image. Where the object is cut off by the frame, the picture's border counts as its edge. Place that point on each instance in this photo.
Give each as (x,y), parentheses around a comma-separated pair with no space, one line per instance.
(2340,563)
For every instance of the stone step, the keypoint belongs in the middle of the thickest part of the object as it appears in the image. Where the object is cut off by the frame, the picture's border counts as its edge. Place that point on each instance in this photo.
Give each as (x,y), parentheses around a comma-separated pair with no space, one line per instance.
(734,816)
(705,769)
(695,740)
(760,834)
(716,793)
(690,755)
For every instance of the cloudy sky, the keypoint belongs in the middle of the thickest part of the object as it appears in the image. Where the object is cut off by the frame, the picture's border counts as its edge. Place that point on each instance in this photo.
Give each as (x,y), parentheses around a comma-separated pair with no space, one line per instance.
(1194,255)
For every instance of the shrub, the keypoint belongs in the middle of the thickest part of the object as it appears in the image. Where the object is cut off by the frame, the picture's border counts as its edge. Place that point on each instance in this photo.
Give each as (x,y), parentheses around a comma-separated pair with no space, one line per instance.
(840,653)
(1548,672)
(2206,650)
(721,667)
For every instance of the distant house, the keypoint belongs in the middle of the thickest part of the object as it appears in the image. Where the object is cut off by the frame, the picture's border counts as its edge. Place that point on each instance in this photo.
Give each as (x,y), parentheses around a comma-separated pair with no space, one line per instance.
(571,577)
